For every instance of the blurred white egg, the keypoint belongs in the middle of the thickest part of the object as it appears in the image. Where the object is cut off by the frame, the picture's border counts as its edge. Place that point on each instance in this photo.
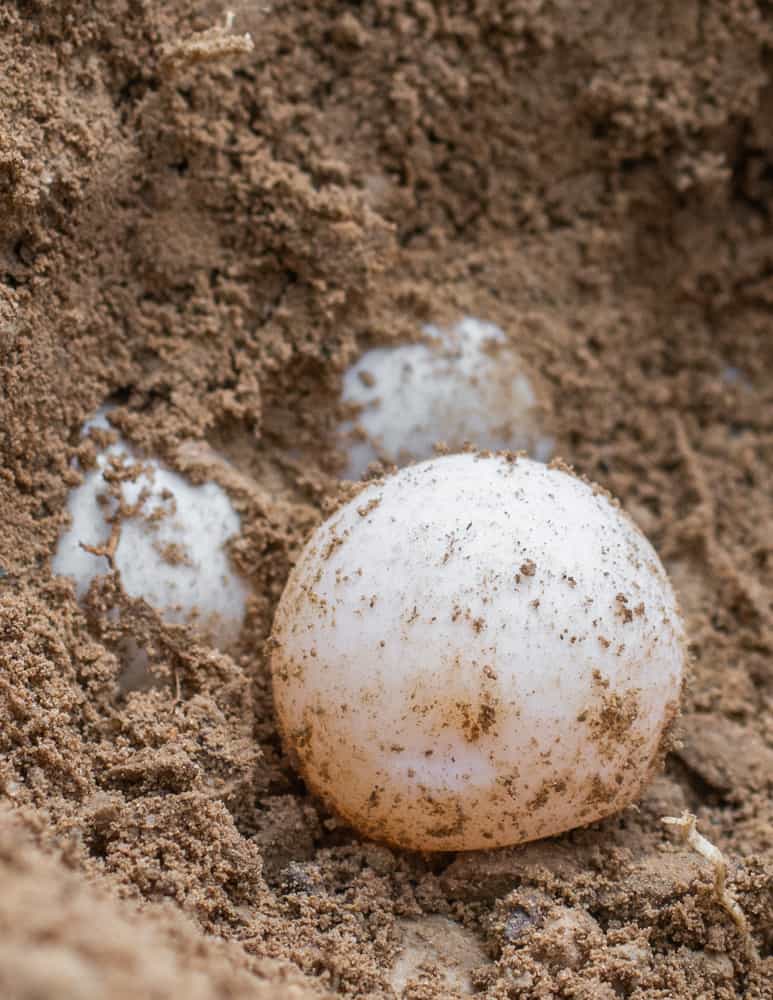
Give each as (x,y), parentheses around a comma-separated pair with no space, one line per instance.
(172,546)
(476,652)
(457,385)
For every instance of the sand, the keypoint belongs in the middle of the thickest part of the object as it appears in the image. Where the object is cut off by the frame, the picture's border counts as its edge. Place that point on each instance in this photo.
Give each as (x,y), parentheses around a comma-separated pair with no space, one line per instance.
(207,234)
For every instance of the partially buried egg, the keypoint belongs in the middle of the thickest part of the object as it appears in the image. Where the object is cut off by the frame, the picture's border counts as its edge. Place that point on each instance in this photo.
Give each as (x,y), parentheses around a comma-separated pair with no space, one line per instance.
(169,538)
(464,383)
(475,652)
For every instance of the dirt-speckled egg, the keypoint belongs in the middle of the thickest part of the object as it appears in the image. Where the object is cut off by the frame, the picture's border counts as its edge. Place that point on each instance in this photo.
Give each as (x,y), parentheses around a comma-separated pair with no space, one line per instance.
(171,546)
(475,652)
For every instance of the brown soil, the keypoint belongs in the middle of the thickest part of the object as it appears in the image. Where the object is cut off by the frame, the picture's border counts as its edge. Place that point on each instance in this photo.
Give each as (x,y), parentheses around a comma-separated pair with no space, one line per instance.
(210,235)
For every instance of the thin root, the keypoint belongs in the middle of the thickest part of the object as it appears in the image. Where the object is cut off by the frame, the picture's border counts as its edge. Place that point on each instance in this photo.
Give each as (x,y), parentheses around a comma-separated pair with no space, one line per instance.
(685,827)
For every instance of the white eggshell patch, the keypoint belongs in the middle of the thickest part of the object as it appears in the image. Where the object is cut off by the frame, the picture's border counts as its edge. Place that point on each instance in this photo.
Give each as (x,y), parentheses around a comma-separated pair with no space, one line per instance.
(457,385)
(172,545)
(477,652)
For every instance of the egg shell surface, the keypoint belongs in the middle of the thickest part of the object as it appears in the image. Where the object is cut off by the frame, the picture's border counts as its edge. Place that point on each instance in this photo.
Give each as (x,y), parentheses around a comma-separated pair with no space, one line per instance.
(465,383)
(477,652)
(172,549)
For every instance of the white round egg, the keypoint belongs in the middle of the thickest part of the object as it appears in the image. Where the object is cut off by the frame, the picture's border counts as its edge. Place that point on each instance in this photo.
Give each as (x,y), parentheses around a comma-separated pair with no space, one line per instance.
(455,385)
(172,544)
(475,652)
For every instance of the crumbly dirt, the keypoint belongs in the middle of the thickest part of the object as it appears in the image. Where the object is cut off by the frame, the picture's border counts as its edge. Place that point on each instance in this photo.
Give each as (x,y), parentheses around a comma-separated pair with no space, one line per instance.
(209,240)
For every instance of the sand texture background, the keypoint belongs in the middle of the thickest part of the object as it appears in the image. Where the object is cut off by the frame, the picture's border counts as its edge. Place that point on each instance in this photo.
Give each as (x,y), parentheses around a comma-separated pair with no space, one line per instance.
(210,243)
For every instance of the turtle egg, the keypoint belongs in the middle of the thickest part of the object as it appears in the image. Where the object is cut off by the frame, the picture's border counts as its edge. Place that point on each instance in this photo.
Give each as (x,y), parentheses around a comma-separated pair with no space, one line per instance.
(170,546)
(460,384)
(475,652)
